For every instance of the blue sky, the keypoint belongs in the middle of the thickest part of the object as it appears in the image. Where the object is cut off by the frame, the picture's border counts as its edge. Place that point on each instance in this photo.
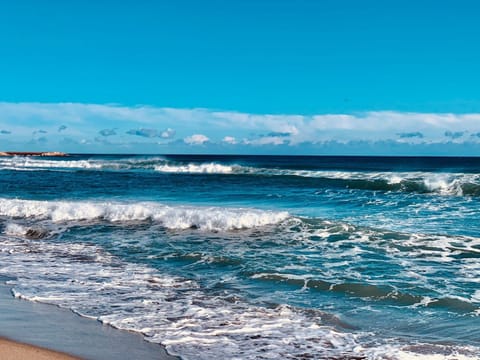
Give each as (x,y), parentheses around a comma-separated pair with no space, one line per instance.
(250,76)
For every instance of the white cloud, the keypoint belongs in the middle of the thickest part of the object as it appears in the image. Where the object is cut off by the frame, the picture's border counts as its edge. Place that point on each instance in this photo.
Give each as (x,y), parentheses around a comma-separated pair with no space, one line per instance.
(296,125)
(168,133)
(196,139)
(229,140)
(85,121)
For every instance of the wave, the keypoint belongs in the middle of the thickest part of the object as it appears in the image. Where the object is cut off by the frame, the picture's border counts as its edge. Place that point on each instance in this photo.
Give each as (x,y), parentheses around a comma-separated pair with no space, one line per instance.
(209,168)
(171,217)
(456,184)
(158,164)
(170,310)
(370,291)
(26,231)
(25,163)
(32,163)
(180,314)
(452,184)
(210,319)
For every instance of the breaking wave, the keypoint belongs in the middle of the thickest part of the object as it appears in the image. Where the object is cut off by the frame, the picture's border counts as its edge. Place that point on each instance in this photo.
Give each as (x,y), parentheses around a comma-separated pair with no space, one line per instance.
(210,168)
(178,313)
(32,163)
(171,217)
(28,163)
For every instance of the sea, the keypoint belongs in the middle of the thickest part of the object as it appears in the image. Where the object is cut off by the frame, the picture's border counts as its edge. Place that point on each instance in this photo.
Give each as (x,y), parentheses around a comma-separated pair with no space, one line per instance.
(253,257)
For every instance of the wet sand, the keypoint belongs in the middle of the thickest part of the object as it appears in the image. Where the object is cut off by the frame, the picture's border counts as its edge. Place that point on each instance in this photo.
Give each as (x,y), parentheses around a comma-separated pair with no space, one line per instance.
(50,327)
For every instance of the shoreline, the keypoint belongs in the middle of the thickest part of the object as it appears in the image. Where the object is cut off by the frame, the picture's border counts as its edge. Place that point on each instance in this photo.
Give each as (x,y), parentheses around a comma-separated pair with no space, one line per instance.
(28,327)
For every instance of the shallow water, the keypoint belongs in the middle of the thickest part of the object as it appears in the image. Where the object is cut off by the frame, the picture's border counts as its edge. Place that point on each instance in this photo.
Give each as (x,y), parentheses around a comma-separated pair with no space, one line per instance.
(61,330)
(254,257)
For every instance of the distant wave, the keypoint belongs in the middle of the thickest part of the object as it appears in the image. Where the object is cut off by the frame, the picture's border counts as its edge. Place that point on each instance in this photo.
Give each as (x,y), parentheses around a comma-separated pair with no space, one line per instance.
(32,163)
(171,217)
(20,163)
(155,164)
(448,184)
(209,168)
(452,184)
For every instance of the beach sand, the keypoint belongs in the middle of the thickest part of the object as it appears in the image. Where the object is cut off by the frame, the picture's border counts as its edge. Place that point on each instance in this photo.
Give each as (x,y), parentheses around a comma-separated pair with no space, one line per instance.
(11,350)
(50,327)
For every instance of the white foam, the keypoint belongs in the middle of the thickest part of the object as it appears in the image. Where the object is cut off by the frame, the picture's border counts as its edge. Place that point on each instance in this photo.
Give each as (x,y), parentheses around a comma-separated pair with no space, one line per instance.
(172,217)
(439,183)
(175,311)
(191,321)
(445,184)
(210,168)
(437,352)
(15,229)
(442,184)
(418,258)
(32,163)
(408,355)
(169,310)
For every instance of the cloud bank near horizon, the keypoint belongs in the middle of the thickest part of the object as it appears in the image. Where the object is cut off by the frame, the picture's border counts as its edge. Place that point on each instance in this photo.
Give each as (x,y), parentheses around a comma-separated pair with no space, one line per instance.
(163,129)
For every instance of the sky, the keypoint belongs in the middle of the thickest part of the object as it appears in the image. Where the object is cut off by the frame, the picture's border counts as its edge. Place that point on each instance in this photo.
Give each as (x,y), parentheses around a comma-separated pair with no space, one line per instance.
(335,77)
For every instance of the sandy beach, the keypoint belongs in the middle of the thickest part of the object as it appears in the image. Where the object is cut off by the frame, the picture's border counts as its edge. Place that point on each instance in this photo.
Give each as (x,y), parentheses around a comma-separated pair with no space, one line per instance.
(12,350)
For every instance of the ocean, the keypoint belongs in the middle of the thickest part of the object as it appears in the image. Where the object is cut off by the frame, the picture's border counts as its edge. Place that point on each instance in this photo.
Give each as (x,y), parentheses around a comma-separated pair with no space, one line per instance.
(253,257)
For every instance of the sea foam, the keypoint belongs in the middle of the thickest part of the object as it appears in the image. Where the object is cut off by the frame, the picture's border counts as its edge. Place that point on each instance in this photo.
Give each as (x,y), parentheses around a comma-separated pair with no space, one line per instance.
(32,163)
(172,217)
(209,168)
(178,312)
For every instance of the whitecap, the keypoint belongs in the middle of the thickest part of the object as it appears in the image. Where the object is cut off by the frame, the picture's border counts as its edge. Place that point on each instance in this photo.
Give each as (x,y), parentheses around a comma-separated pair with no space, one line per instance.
(171,217)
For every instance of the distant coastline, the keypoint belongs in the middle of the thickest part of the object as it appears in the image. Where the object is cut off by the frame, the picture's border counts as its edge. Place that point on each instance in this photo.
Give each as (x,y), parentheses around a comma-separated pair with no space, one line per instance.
(26,153)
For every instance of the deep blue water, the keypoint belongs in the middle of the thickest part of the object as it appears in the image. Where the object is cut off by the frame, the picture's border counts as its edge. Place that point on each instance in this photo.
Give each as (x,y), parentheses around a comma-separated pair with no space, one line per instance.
(253,257)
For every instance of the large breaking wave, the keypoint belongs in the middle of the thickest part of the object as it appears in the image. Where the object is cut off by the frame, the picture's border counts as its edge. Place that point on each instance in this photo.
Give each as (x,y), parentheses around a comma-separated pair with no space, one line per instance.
(172,217)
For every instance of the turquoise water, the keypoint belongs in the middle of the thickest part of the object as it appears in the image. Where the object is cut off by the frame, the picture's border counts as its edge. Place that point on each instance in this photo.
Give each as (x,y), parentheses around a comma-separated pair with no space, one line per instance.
(241,257)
